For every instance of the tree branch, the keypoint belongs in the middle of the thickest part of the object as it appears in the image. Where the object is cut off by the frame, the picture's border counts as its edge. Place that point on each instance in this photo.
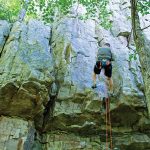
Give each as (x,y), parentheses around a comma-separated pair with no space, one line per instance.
(145,28)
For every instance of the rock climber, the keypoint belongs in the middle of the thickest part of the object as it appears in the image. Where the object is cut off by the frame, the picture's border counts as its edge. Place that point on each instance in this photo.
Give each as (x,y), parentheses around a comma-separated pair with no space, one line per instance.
(104,58)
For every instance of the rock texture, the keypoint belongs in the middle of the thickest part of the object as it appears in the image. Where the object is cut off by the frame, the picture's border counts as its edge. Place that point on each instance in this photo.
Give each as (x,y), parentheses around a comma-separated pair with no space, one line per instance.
(69,141)
(26,66)
(4,31)
(78,57)
(16,134)
(46,77)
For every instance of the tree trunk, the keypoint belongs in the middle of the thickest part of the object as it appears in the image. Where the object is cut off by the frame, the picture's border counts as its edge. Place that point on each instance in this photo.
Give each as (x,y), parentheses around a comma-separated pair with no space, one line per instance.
(142,49)
(23,11)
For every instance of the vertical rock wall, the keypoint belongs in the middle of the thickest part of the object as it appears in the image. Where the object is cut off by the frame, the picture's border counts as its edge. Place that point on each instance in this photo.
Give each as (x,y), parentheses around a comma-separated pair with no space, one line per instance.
(46,77)
(4,32)
(16,134)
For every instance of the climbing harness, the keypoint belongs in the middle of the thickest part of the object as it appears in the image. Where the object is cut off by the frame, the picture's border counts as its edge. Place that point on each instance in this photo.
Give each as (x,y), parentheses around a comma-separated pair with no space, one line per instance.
(108,124)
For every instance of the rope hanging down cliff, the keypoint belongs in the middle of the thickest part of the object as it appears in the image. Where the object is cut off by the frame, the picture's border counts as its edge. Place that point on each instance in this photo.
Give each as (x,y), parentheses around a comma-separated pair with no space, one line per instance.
(108,124)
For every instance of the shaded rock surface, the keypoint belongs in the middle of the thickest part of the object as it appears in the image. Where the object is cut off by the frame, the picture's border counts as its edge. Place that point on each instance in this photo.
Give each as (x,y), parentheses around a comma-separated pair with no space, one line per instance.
(46,76)
(74,142)
(16,134)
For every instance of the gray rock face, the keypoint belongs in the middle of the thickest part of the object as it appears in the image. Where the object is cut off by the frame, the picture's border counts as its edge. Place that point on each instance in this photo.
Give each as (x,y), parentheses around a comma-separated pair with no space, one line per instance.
(75,98)
(4,32)
(145,22)
(25,70)
(121,17)
(78,55)
(16,134)
(46,76)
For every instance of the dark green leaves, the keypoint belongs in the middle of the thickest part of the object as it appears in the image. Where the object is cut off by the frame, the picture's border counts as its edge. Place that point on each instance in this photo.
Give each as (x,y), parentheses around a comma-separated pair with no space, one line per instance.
(9,9)
(49,8)
(144,7)
(133,56)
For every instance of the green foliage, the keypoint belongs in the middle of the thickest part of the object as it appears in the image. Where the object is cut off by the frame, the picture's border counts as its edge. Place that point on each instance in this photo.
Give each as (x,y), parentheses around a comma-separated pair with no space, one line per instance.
(97,9)
(9,9)
(133,56)
(144,7)
(129,18)
(104,14)
(46,10)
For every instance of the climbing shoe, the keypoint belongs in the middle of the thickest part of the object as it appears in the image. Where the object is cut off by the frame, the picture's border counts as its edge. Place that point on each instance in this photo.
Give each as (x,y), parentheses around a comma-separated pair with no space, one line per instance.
(94,86)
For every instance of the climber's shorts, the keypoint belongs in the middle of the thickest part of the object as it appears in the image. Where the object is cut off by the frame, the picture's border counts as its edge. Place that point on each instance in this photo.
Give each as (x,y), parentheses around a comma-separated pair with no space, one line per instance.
(96,67)
(97,70)
(107,70)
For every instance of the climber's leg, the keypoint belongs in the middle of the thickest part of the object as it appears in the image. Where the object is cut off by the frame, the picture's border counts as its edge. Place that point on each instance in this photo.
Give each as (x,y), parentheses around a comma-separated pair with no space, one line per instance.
(94,80)
(110,84)
(108,74)
(97,70)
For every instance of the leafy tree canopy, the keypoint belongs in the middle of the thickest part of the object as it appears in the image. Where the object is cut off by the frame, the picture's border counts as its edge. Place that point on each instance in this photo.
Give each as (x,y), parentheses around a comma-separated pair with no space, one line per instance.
(144,7)
(49,10)
(46,9)
(9,9)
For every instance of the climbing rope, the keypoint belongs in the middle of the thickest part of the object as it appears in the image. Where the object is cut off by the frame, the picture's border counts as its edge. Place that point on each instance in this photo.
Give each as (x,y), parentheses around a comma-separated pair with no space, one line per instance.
(108,124)
(111,145)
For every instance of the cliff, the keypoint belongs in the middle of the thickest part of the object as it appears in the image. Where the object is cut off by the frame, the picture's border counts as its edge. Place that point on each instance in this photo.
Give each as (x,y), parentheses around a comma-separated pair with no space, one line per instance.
(46,100)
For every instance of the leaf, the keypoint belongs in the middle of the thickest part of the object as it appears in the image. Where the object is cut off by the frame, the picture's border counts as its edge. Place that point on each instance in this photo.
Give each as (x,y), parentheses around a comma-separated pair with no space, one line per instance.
(135,57)
(130,57)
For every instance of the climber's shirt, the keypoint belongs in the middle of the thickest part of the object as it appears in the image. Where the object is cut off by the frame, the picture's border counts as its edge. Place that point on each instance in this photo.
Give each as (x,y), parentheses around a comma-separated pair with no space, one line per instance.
(104,53)
(103,56)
